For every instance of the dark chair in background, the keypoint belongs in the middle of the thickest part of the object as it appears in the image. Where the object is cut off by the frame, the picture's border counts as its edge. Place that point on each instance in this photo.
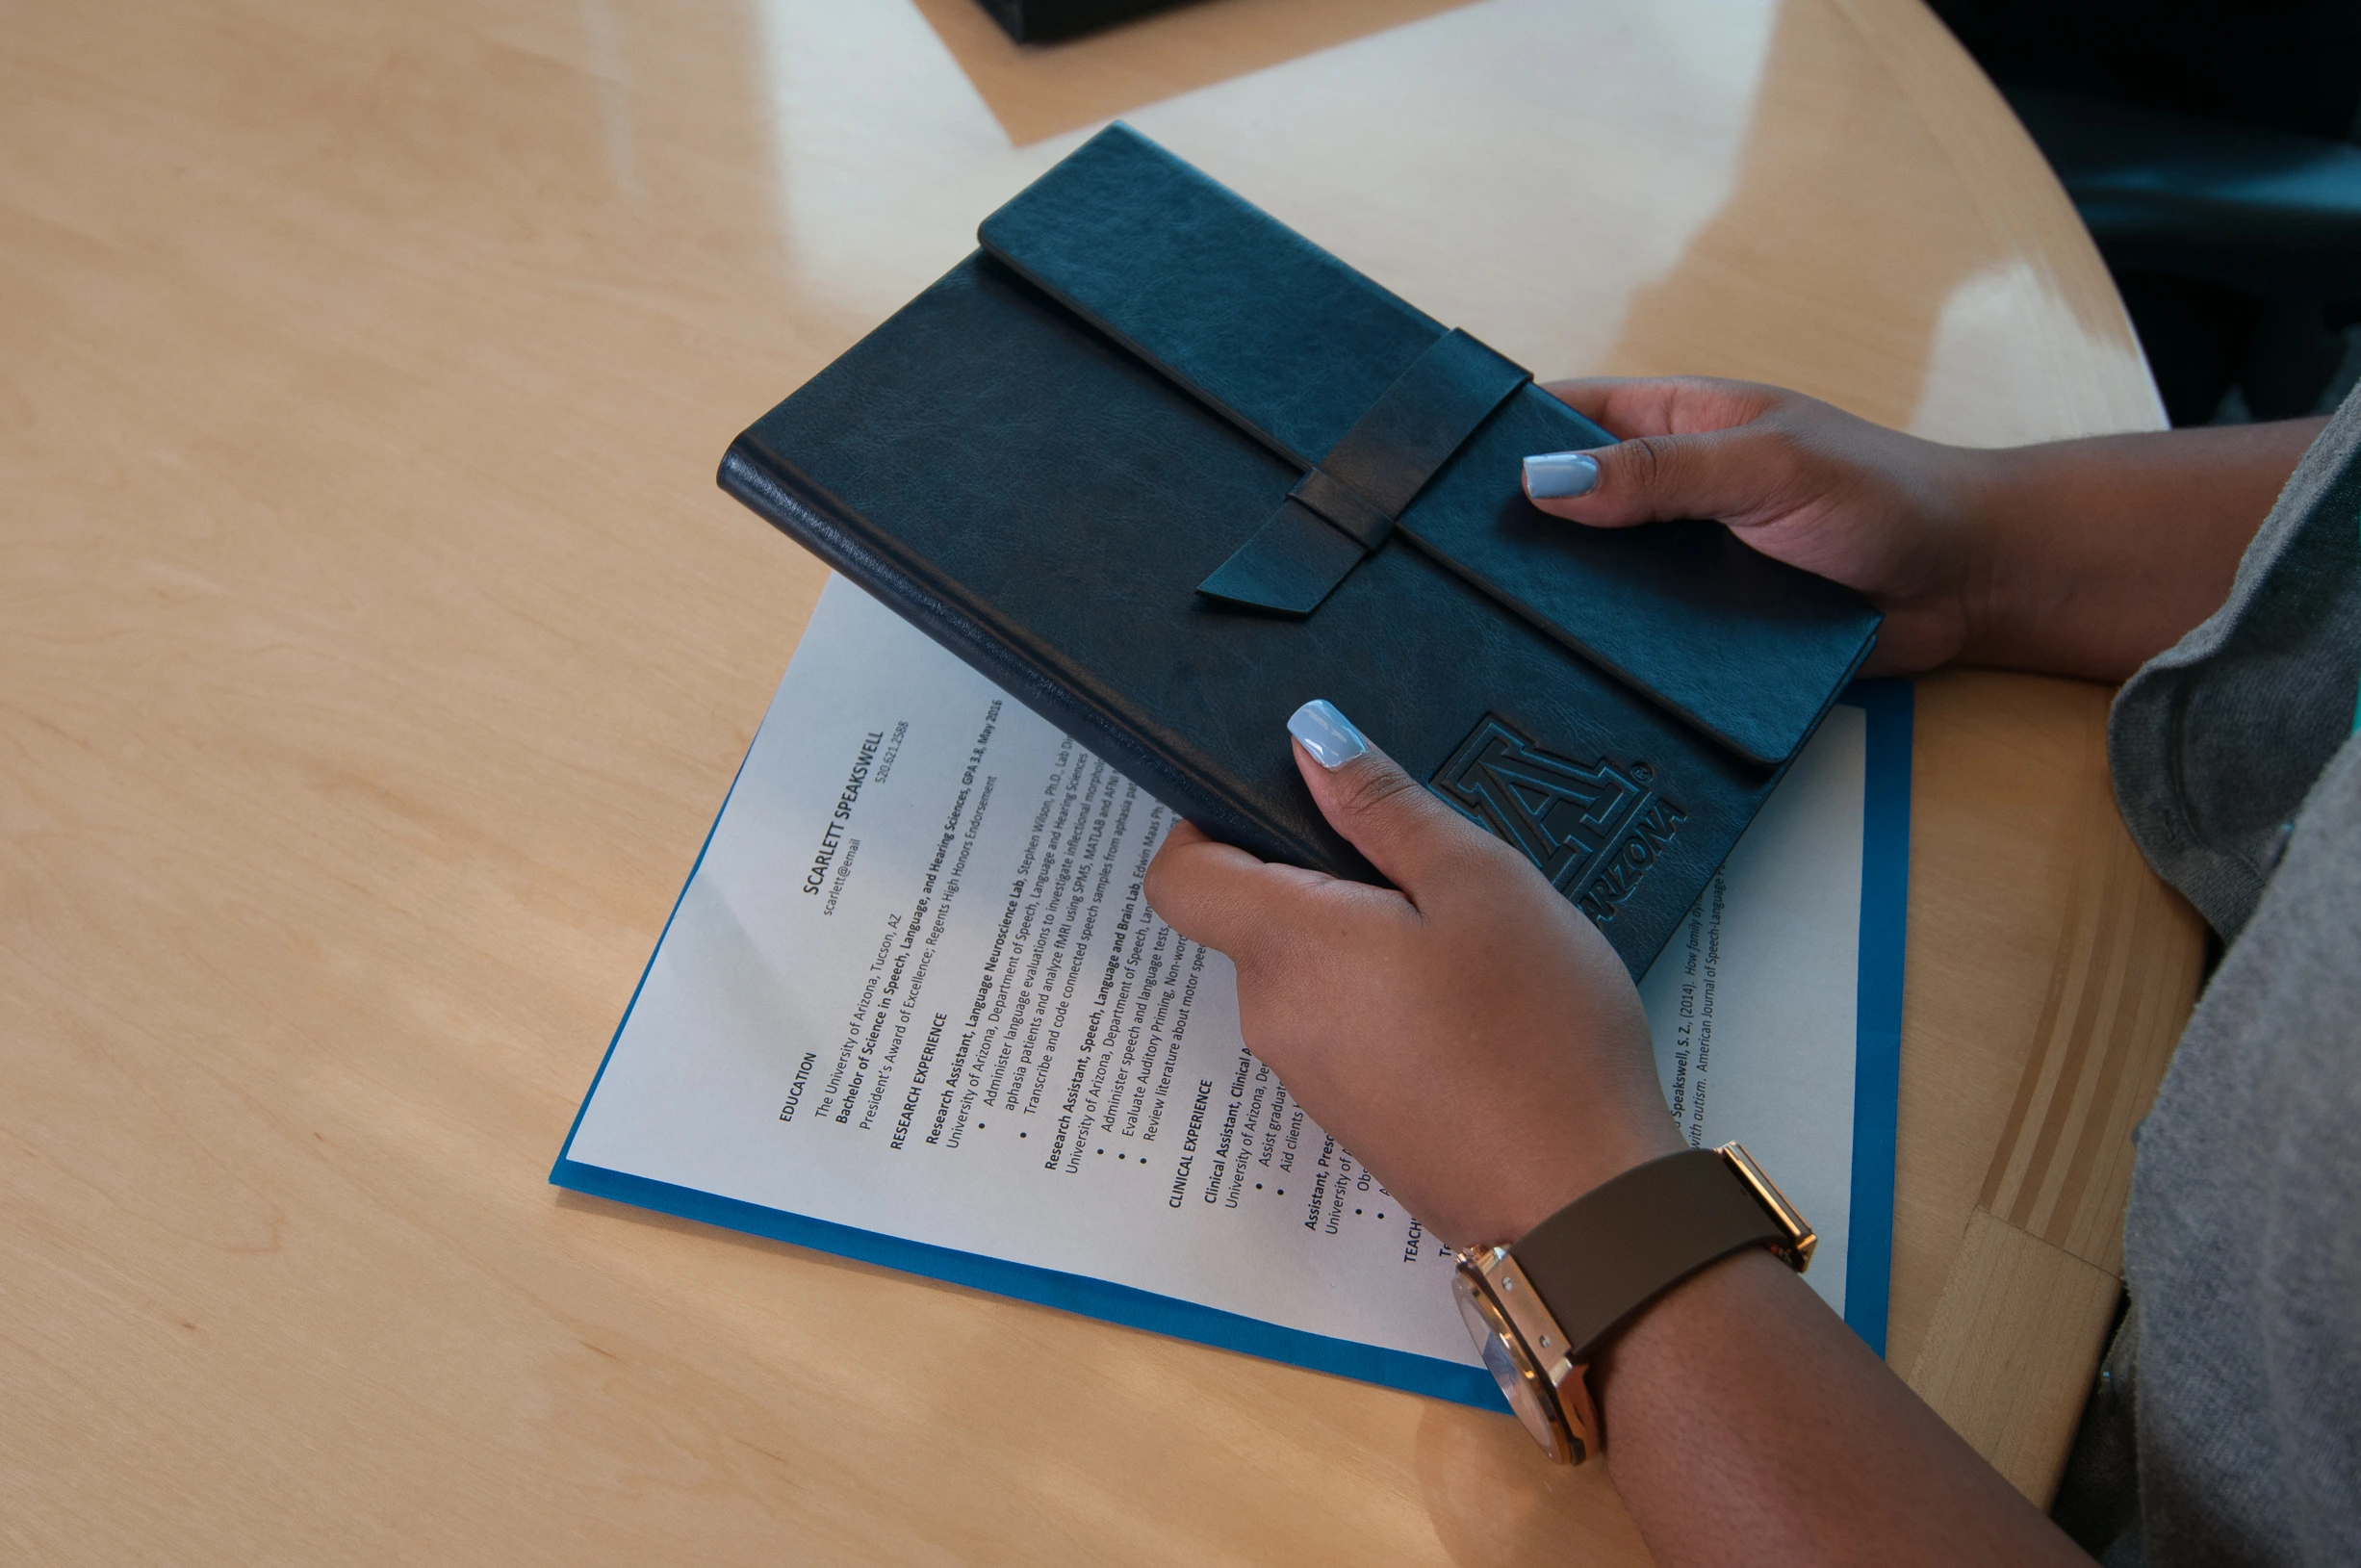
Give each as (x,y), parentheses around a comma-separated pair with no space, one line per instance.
(2212,150)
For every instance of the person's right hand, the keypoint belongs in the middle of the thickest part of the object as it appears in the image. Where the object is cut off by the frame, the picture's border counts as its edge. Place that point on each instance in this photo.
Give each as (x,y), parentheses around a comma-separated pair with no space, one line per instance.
(1803,482)
(2082,557)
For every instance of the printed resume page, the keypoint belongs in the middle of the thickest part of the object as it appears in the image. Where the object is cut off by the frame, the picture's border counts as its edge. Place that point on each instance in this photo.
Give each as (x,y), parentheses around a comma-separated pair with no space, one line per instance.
(913,987)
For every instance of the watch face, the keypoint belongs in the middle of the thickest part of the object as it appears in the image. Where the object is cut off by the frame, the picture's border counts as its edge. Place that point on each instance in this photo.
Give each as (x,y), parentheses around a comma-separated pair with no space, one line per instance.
(1518,1384)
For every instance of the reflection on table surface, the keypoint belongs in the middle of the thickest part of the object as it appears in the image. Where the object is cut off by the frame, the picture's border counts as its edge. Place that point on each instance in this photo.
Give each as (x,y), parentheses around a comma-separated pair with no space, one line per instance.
(378,650)
(1702,186)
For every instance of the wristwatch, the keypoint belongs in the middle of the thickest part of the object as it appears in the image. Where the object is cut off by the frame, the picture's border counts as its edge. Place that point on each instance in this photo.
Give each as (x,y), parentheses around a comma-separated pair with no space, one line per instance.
(1541,1310)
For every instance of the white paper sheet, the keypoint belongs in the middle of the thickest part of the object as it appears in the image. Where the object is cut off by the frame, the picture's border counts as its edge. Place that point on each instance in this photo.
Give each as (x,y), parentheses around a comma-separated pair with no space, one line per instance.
(913,988)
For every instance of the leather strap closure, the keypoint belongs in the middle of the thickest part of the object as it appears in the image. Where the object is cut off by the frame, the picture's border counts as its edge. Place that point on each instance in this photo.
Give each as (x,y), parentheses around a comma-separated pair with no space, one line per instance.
(1343,507)
(1611,1251)
(1346,504)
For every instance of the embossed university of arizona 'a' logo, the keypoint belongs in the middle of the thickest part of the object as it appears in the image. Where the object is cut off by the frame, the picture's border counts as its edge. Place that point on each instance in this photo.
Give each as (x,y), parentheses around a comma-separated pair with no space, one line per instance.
(1593,827)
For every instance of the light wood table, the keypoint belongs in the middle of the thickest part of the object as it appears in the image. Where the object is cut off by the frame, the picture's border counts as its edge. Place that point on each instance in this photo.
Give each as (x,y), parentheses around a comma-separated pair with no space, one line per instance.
(375,649)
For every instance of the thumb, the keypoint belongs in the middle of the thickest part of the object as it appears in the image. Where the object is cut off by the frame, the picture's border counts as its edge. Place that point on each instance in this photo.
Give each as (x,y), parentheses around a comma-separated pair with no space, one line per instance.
(1421,845)
(1730,475)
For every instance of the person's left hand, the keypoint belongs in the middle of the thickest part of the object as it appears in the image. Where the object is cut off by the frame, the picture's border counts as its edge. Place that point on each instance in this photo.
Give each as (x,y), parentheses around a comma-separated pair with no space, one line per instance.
(1471,1038)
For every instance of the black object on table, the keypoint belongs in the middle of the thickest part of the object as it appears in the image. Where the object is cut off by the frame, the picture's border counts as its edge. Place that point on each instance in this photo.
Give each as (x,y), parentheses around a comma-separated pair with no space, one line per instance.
(1039,21)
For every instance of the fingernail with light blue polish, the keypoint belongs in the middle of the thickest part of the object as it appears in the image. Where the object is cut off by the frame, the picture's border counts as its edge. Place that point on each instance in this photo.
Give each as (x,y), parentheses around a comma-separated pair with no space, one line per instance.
(1560,475)
(1327,734)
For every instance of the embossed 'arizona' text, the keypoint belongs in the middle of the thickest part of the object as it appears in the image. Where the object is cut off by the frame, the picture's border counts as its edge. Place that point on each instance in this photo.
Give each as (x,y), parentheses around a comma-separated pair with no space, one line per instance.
(1593,827)
(1651,830)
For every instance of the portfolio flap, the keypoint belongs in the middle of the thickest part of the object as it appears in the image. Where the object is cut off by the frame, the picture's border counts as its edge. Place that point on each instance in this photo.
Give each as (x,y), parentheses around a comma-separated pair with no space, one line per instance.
(1333,373)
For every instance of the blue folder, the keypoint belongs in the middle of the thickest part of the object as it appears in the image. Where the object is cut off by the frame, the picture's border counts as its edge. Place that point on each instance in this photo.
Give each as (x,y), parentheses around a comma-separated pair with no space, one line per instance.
(1877,1070)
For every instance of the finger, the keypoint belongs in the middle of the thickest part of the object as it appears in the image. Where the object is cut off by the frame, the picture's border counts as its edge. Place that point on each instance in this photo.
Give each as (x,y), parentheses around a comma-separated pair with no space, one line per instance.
(1417,842)
(1635,405)
(1212,892)
(1735,476)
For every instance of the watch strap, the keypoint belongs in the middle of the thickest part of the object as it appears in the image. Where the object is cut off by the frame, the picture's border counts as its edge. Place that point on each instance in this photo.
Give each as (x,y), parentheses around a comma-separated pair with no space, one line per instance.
(1611,1251)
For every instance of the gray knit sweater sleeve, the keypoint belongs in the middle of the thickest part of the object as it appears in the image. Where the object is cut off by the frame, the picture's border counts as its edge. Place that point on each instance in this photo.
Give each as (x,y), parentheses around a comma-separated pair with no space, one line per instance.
(2215,741)
(2236,770)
